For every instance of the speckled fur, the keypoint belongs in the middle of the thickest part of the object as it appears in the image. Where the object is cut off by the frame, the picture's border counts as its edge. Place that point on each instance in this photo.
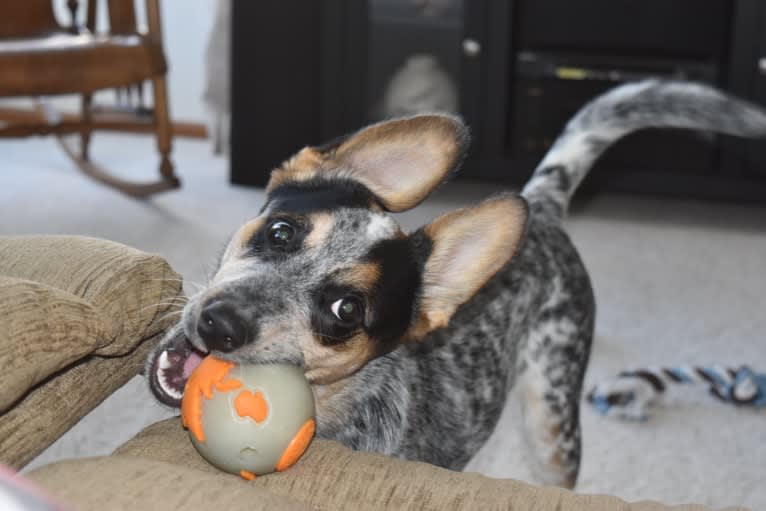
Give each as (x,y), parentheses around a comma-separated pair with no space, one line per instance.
(439,399)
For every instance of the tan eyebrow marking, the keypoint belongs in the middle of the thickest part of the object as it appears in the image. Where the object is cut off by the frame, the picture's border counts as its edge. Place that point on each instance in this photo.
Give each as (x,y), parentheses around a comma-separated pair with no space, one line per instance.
(247,231)
(361,276)
(321,226)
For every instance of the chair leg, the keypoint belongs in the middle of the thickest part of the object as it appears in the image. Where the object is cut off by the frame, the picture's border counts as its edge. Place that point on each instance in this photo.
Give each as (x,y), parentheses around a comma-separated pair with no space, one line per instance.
(162,125)
(87,126)
(167,181)
(138,190)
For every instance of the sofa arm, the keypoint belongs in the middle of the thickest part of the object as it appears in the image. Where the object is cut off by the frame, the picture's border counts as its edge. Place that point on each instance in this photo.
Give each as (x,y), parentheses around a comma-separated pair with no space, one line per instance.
(122,483)
(130,289)
(44,331)
(331,477)
(80,315)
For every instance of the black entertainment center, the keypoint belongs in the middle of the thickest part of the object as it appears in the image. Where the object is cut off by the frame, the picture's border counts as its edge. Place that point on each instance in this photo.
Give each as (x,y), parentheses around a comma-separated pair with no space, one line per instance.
(515,70)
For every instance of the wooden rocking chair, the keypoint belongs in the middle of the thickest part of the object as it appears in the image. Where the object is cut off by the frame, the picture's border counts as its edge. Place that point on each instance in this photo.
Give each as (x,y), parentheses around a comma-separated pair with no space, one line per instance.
(39,57)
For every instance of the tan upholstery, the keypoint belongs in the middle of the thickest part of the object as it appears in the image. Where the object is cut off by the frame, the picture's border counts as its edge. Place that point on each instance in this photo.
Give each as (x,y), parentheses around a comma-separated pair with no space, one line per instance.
(50,409)
(79,317)
(328,477)
(130,289)
(44,330)
(132,484)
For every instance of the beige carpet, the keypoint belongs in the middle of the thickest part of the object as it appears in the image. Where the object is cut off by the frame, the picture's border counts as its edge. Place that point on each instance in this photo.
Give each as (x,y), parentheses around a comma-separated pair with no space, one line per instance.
(676,282)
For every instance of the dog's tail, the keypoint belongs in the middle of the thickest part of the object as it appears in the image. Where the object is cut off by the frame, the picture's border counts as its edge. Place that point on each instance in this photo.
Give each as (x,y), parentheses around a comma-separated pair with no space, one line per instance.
(623,110)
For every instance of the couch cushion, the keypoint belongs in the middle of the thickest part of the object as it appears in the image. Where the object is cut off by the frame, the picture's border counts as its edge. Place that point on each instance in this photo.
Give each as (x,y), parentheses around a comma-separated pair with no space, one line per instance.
(330,476)
(130,289)
(44,330)
(129,484)
(80,315)
(54,406)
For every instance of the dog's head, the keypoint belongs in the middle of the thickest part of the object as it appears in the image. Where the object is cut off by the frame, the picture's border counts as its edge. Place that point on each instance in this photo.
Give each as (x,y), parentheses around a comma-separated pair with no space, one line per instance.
(325,279)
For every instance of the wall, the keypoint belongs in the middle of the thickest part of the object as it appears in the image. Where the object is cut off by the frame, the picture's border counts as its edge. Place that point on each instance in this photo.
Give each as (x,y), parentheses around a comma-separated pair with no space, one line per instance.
(187,25)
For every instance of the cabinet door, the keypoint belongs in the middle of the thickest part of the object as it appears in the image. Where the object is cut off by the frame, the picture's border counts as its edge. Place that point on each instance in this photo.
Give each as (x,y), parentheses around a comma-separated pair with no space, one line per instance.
(392,58)
(274,85)
(743,162)
(413,63)
(756,154)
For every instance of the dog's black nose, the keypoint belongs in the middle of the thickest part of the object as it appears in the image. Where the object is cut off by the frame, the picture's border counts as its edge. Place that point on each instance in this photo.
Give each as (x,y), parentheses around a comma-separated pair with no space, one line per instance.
(221,328)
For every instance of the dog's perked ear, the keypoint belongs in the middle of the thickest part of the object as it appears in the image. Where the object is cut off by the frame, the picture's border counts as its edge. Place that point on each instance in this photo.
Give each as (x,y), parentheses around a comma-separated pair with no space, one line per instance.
(400,161)
(468,247)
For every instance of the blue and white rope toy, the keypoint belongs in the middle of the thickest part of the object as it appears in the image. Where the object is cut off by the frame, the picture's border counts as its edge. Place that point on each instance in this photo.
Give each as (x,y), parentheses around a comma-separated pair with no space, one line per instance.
(630,395)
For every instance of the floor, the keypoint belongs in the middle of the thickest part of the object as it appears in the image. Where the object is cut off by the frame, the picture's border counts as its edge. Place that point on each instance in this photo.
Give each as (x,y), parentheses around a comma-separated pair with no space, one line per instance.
(676,282)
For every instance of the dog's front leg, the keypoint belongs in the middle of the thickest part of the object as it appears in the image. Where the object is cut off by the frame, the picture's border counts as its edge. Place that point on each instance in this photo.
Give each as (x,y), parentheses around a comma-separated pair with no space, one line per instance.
(555,361)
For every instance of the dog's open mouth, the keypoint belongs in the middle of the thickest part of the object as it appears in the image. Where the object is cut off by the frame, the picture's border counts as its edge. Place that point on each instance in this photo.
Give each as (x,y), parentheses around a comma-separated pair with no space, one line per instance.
(170,370)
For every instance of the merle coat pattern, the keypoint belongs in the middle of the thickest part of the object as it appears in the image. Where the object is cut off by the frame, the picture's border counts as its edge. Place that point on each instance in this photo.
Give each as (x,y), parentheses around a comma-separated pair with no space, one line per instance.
(413,341)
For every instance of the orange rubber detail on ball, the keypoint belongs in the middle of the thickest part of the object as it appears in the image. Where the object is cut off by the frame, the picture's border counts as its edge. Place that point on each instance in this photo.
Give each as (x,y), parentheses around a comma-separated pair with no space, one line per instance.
(298,446)
(247,475)
(210,373)
(251,405)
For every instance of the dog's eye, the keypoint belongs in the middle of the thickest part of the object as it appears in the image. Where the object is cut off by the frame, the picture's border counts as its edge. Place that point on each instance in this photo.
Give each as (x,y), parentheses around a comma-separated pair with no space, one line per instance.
(281,233)
(349,310)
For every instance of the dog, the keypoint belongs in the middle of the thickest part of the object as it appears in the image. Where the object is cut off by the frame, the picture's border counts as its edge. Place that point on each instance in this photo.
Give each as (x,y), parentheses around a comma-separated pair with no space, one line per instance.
(412,341)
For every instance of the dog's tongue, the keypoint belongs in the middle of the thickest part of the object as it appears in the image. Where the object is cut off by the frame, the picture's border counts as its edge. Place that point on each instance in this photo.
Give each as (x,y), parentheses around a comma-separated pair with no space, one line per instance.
(191,363)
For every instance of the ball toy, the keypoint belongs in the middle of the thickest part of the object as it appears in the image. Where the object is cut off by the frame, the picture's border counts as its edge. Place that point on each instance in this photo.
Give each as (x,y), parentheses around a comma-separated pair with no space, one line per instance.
(248,419)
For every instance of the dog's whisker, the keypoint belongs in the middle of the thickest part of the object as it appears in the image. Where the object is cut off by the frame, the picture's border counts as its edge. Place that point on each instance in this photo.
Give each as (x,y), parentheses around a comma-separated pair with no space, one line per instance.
(169,314)
(180,305)
(196,285)
(171,306)
(178,299)
(172,313)
(169,301)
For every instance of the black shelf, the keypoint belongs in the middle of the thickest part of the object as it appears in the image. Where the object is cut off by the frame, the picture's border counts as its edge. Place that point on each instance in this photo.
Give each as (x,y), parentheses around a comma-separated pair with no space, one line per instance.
(303,74)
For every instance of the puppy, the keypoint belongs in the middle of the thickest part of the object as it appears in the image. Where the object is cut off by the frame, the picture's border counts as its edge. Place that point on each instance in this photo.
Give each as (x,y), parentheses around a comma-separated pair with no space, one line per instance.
(412,341)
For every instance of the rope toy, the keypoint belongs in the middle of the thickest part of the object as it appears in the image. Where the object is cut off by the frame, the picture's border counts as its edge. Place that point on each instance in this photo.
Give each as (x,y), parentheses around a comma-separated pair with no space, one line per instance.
(630,395)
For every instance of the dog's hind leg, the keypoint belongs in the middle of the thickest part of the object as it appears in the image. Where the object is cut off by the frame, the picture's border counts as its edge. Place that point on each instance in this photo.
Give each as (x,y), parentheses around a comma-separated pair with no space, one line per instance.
(554,364)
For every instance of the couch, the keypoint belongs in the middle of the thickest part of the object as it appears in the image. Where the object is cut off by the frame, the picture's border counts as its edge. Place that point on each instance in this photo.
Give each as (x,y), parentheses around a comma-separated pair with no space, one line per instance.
(80,314)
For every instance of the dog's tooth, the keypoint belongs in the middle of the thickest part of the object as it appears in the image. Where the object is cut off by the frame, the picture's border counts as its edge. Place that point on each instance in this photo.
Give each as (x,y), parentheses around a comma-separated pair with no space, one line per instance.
(164,361)
(164,384)
(168,388)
